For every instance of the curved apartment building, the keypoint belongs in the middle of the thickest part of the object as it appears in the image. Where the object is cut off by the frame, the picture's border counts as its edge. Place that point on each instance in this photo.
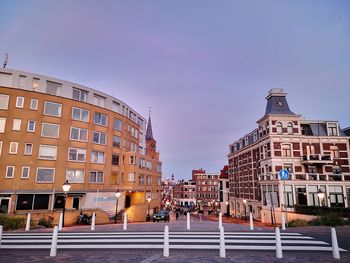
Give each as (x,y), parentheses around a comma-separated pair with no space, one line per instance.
(53,130)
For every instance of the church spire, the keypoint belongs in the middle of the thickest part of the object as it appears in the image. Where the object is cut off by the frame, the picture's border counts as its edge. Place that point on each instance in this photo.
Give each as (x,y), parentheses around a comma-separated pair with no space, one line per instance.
(149,133)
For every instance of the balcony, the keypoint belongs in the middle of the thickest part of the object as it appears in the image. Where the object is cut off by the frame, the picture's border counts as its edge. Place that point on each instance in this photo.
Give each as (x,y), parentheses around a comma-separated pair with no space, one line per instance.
(317,159)
(307,177)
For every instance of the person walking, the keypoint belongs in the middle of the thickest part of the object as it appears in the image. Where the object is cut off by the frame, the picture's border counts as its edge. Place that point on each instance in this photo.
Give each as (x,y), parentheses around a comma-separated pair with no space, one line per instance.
(177,215)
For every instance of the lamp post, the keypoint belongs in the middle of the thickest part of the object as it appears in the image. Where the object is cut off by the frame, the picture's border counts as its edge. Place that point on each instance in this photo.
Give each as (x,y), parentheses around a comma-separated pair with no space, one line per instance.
(66,188)
(148,201)
(320,195)
(117,194)
(227,210)
(245,209)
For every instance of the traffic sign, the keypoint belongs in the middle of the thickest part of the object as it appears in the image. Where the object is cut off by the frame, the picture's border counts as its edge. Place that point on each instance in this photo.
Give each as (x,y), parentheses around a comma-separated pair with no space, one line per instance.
(284,174)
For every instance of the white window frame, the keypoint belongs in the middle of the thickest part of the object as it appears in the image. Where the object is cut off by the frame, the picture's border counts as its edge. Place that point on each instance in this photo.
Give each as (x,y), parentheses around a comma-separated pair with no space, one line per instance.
(53,124)
(131,177)
(31,149)
(97,172)
(81,98)
(2,128)
(74,181)
(15,143)
(99,100)
(6,101)
(79,134)
(25,167)
(16,126)
(7,170)
(79,151)
(99,137)
(59,109)
(28,126)
(35,102)
(100,123)
(20,102)
(43,157)
(98,156)
(80,114)
(45,182)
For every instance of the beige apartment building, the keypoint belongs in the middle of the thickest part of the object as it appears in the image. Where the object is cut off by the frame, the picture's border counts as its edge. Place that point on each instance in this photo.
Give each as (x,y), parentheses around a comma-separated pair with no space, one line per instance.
(53,130)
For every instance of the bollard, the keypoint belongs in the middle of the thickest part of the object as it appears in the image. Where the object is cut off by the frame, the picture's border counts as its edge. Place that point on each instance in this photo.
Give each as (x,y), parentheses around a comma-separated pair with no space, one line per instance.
(188,221)
(251,224)
(28,222)
(0,235)
(220,220)
(335,248)
(125,226)
(283,222)
(166,242)
(53,250)
(278,243)
(200,217)
(60,222)
(93,221)
(222,243)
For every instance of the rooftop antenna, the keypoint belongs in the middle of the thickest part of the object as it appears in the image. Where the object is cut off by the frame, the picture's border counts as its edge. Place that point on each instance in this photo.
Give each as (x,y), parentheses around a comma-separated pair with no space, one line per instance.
(6,57)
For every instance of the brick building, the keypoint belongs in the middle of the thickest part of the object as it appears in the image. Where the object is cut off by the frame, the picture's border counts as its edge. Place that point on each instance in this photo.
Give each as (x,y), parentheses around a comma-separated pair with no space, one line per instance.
(185,194)
(316,154)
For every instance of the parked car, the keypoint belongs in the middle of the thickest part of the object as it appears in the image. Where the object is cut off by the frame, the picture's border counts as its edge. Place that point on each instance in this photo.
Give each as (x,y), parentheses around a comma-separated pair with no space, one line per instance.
(162,215)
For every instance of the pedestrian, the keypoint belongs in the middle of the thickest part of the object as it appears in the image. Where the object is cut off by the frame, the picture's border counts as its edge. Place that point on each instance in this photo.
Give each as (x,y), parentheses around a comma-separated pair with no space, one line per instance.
(177,215)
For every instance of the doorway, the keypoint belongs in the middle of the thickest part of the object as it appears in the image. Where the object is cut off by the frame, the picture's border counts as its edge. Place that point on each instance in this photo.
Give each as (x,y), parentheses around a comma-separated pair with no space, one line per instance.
(127,201)
(76,202)
(4,206)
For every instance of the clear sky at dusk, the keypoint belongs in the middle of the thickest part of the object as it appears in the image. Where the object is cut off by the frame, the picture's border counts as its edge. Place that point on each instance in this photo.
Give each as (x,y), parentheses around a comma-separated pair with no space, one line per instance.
(205,67)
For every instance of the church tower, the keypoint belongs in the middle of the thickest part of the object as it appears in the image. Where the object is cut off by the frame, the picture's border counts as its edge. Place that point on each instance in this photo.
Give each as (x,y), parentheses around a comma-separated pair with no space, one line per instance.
(151,144)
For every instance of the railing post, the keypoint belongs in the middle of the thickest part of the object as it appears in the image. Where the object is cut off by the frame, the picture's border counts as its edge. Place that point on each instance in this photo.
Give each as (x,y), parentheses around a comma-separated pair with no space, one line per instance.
(283,221)
(220,220)
(335,248)
(125,226)
(222,243)
(60,222)
(53,250)
(188,221)
(251,221)
(1,230)
(166,242)
(278,243)
(93,221)
(28,222)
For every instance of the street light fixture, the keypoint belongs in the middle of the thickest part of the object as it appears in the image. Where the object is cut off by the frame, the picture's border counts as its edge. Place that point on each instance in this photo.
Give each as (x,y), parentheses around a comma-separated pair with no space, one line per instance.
(320,195)
(148,201)
(245,209)
(227,210)
(117,195)
(66,187)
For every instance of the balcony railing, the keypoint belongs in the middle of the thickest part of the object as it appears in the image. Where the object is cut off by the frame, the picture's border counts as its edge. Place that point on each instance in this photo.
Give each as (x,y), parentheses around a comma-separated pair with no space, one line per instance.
(317,158)
(307,177)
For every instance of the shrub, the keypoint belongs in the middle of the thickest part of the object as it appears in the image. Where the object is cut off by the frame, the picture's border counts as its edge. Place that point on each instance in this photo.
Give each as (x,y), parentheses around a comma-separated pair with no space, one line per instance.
(331,219)
(46,222)
(12,223)
(322,210)
(298,223)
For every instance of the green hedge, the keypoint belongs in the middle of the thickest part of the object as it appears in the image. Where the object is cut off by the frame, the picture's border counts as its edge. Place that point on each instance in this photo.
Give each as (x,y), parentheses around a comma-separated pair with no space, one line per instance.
(319,210)
(12,223)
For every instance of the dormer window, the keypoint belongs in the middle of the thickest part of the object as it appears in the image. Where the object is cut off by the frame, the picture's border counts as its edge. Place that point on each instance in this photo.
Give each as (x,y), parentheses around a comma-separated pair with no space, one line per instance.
(279,128)
(290,128)
(332,129)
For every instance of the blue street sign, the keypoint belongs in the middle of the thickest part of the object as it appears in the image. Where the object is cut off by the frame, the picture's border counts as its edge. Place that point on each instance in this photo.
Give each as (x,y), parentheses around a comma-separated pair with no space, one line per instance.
(284,174)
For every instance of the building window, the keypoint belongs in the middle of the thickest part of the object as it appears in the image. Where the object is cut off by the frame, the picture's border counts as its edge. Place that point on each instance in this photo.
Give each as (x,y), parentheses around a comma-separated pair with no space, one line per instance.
(78,134)
(19,102)
(97,157)
(10,172)
(99,100)
(32,201)
(99,137)
(34,104)
(279,128)
(117,125)
(131,177)
(115,159)
(2,125)
(28,149)
(45,175)
(116,106)
(4,102)
(36,84)
(332,129)
(50,130)
(25,172)
(336,197)
(16,125)
(290,128)
(300,195)
(22,81)
(334,151)
(47,152)
(31,126)
(149,179)
(13,147)
(286,150)
(75,176)
(116,141)
(100,119)
(77,155)
(313,198)
(80,95)
(52,109)
(96,177)
(142,179)
(80,114)
(149,165)
(53,88)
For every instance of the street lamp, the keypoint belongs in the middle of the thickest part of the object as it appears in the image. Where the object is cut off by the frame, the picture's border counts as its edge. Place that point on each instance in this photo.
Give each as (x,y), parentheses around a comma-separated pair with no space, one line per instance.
(227,210)
(66,188)
(245,209)
(148,201)
(320,195)
(117,195)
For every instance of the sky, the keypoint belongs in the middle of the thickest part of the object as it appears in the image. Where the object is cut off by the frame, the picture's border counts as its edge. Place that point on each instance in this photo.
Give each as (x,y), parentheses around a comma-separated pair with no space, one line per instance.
(204,67)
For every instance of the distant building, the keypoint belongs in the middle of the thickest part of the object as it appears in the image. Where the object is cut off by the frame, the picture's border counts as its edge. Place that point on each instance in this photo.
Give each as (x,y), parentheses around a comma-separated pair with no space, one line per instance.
(316,154)
(207,191)
(185,194)
(224,190)
(196,172)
